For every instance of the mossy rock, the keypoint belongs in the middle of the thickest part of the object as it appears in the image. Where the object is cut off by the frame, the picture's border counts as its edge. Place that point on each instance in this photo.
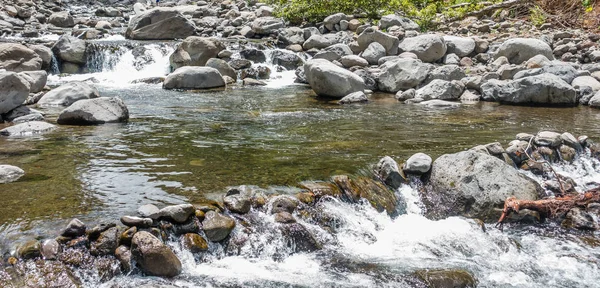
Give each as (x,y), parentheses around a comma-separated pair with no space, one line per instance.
(453,278)
(375,192)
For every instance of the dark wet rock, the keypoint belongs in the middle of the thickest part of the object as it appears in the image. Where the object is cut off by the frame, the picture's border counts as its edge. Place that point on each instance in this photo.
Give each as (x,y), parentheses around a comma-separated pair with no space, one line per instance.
(387,170)
(61,19)
(474,184)
(290,36)
(329,80)
(566,183)
(239,64)
(70,49)
(127,235)
(94,232)
(107,243)
(194,242)
(254,55)
(94,111)
(154,257)
(283,203)
(177,213)
(74,229)
(27,129)
(356,97)
(287,60)
(299,238)
(258,72)
(418,163)
(149,211)
(189,77)
(217,226)
(136,221)
(370,35)
(16,57)
(9,173)
(14,90)
(402,74)
(195,51)
(284,217)
(376,193)
(548,138)
(428,48)
(29,250)
(238,199)
(519,50)
(447,278)
(160,24)
(123,254)
(545,89)
(223,67)
(69,93)
(50,249)
(192,225)
(580,219)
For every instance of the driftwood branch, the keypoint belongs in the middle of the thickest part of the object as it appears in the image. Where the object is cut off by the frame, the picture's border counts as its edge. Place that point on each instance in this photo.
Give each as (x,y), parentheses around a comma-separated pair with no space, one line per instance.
(549,207)
(489,9)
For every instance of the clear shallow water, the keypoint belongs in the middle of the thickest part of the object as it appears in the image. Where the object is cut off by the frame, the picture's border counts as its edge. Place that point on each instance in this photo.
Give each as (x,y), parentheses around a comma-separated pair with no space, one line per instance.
(189,146)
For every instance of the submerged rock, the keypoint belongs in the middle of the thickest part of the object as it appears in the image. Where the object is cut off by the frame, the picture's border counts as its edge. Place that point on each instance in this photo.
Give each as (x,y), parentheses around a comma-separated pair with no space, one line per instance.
(10,173)
(447,278)
(356,97)
(30,128)
(299,238)
(74,229)
(473,184)
(154,257)
(94,111)
(194,242)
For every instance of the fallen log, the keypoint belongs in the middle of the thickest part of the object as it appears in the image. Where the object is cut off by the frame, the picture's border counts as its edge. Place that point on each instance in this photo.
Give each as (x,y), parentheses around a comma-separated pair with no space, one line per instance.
(551,207)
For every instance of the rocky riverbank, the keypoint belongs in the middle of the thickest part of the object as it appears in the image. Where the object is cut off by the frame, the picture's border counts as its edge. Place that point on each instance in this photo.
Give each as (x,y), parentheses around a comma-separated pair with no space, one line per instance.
(472,183)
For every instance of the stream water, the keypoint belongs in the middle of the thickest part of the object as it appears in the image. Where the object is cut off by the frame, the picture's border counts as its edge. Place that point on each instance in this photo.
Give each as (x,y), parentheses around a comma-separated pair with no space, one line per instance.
(190,146)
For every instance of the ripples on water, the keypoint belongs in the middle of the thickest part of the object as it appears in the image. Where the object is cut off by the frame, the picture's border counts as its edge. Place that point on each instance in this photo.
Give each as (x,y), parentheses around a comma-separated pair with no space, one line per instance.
(188,146)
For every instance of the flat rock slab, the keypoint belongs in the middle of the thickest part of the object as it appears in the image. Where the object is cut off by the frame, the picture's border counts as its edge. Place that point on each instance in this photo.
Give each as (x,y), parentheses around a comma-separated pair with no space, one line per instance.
(28,129)
(94,111)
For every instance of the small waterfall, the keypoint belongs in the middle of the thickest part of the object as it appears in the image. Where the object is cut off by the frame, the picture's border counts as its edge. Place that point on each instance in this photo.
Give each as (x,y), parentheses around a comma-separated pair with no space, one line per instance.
(54,66)
(104,56)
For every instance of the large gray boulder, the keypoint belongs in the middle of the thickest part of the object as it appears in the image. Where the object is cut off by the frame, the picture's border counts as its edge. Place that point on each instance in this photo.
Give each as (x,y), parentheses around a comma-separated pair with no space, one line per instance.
(10,173)
(37,80)
(388,21)
(14,90)
(329,80)
(586,81)
(370,35)
(193,77)
(461,46)
(160,24)
(61,19)
(94,111)
(373,53)
(287,60)
(195,51)
(440,89)
(564,71)
(69,93)
(545,89)
(70,49)
(16,57)
(30,128)
(266,25)
(401,74)
(154,257)
(519,50)
(474,184)
(43,52)
(429,47)
(318,42)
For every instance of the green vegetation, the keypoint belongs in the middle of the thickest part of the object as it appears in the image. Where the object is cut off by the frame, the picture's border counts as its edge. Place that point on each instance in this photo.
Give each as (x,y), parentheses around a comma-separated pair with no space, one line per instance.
(537,16)
(424,12)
